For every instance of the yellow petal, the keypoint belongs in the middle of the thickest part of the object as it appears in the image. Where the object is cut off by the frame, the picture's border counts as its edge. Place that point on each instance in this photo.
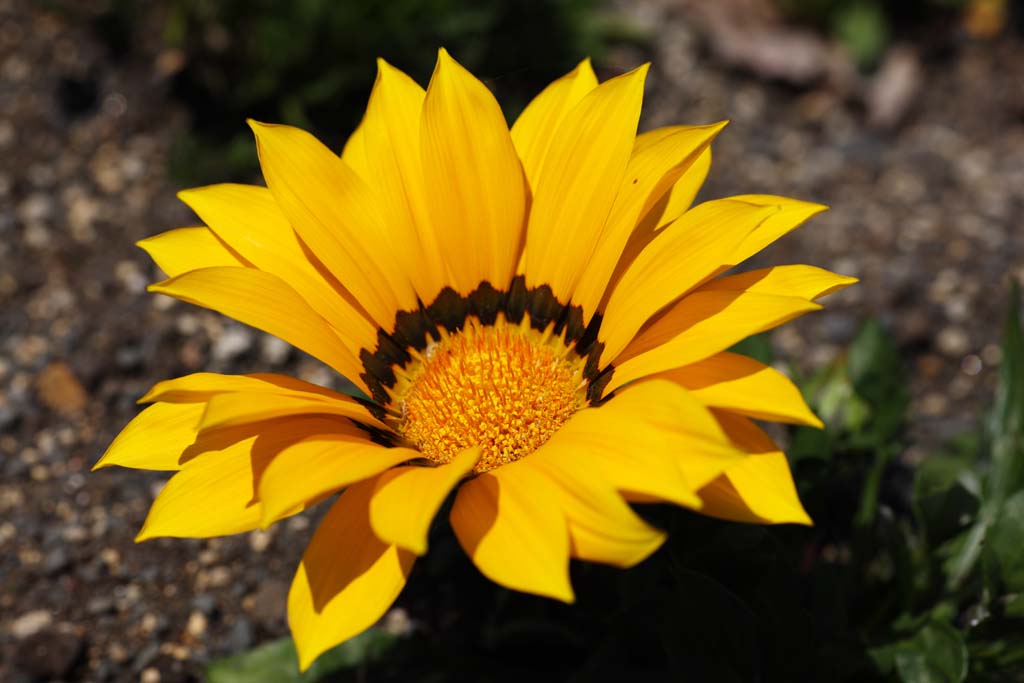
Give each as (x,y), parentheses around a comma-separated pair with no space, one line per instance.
(214,492)
(602,527)
(506,522)
(477,192)
(333,211)
(535,128)
(660,158)
(184,249)
(155,439)
(407,498)
(323,463)
(632,441)
(259,396)
(700,326)
(678,199)
(671,206)
(574,193)
(760,487)
(354,152)
(678,259)
(791,214)
(347,579)
(392,165)
(265,302)
(225,410)
(743,385)
(807,282)
(699,445)
(201,386)
(247,218)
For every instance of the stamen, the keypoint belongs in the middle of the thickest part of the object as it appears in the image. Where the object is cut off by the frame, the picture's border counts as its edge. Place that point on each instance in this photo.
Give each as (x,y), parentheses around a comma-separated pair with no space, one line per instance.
(504,387)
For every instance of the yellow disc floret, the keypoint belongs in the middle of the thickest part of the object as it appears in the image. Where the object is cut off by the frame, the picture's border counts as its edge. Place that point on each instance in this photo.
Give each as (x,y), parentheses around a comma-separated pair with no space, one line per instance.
(504,387)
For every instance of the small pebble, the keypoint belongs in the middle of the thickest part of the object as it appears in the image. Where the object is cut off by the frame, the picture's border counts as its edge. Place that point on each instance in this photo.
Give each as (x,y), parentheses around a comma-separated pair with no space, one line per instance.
(259,540)
(234,342)
(971,365)
(274,351)
(60,390)
(953,341)
(35,208)
(30,623)
(196,625)
(130,276)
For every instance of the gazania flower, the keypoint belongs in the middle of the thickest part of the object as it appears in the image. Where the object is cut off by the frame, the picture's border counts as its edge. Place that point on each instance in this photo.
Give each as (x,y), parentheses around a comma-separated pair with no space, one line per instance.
(538,319)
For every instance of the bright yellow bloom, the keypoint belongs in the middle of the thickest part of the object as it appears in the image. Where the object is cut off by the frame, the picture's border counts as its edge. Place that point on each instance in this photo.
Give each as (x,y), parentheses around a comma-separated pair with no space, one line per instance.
(540,320)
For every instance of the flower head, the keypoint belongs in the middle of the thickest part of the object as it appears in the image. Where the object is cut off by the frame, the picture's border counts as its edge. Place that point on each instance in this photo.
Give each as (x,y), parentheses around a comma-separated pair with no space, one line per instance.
(537,315)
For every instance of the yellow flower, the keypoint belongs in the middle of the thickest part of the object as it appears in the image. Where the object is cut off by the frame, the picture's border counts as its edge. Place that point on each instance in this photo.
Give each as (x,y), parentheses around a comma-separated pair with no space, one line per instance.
(539,319)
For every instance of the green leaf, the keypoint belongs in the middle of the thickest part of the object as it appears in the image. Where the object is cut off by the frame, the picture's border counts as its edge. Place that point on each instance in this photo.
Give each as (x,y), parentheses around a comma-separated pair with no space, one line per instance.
(863,28)
(935,654)
(808,443)
(758,347)
(277,662)
(1014,607)
(1006,472)
(946,496)
(876,371)
(1004,549)
(1006,425)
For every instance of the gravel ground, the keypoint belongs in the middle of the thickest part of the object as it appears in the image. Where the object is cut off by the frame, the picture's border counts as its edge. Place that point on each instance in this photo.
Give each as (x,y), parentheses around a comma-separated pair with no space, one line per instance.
(927,210)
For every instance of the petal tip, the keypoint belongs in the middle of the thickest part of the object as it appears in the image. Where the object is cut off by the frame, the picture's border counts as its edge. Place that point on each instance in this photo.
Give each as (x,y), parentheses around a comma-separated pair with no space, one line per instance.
(418,548)
(265,520)
(307,656)
(796,515)
(384,68)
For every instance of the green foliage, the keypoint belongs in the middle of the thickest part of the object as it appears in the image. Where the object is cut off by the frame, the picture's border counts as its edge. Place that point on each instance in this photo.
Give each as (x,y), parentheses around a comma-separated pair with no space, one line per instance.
(758,347)
(311,63)
(866,27)
(863,28)
(277,662)
(908,576)
(936,653)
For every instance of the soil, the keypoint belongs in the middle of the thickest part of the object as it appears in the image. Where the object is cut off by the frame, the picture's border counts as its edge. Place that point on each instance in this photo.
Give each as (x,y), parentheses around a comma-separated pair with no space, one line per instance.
(927,209)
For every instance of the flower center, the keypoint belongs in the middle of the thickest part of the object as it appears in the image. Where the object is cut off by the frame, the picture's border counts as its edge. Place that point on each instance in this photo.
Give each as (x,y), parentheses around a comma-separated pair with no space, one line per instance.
(504,387)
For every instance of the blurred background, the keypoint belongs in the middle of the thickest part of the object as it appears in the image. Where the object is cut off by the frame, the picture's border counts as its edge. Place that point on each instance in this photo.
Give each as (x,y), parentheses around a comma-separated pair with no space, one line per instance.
(907,118)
